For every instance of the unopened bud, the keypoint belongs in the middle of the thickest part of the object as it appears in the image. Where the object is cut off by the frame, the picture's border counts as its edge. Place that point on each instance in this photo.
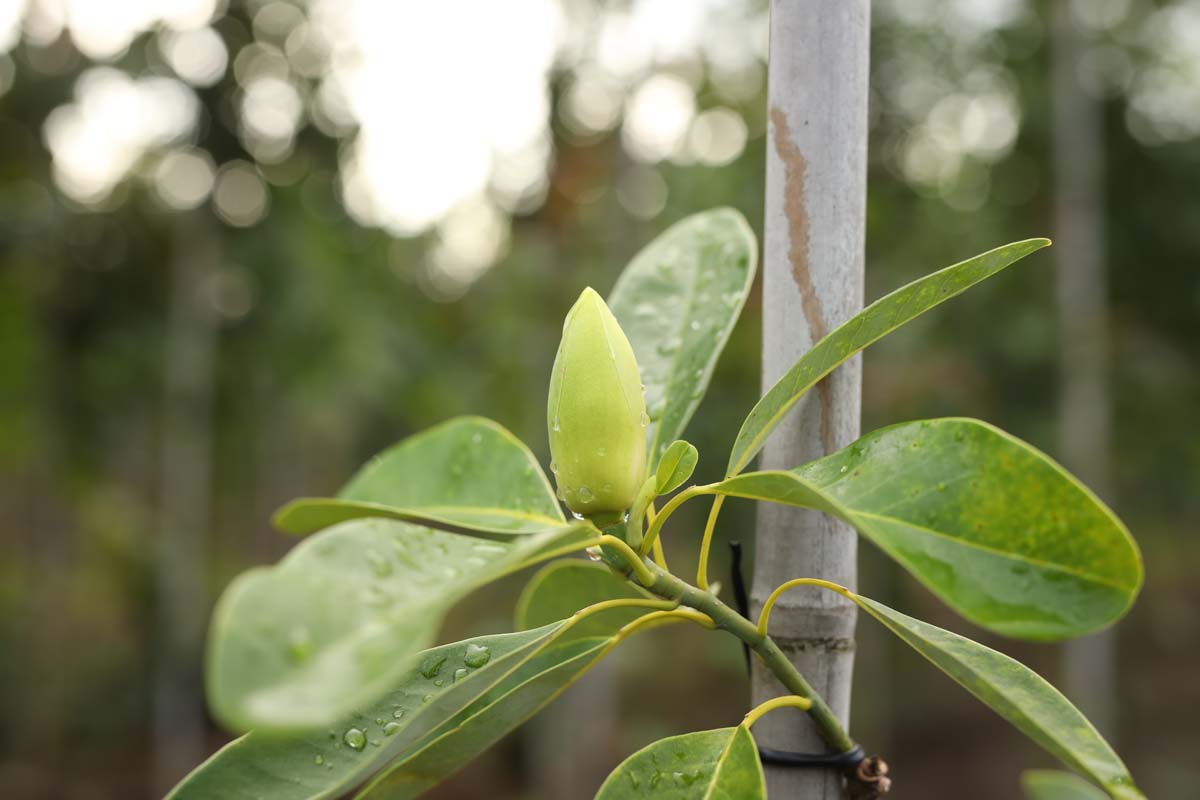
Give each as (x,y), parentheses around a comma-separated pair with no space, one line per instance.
(596,413)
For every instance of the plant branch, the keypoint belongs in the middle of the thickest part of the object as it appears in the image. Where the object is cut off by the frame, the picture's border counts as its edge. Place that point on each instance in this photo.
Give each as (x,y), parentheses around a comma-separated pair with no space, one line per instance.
(668,586)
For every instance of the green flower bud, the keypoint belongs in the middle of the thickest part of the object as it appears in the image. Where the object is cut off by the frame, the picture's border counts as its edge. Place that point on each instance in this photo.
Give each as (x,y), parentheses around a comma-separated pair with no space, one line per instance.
(596,413)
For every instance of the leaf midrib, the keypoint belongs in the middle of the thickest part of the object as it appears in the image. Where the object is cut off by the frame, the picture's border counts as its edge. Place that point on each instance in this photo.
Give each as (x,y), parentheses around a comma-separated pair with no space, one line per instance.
(1037,562)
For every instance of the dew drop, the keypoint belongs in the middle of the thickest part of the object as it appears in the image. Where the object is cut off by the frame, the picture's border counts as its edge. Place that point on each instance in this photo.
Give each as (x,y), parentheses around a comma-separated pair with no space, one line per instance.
(695,325)
(461,673)
(431,666)
(645,419)
(355,739)
(398,713)
(585,494)
(594,554)
(379,720)
(318,759)
(438,682)
(477,655)
(844,468)
(554,467)
(556,426)
(426,698)
(391,728)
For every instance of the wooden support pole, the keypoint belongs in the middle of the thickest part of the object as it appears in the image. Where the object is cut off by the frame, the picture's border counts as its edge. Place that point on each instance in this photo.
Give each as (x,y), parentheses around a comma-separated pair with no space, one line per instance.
(812,281)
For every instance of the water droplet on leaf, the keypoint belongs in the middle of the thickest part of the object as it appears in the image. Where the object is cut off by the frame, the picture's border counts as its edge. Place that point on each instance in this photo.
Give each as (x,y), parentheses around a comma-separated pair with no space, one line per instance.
(355,739)
(477,655)
(432,665)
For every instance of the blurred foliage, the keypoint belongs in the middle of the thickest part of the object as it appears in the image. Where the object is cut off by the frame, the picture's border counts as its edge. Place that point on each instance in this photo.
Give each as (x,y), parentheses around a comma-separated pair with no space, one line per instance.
(333,342)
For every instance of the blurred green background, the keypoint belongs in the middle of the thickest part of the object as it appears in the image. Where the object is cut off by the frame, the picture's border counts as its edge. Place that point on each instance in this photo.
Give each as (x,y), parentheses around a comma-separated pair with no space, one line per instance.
(245,245)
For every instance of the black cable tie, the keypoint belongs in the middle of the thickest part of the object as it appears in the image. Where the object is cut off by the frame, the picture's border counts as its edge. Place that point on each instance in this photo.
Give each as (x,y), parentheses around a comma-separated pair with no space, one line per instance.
(848,760)
(739,589)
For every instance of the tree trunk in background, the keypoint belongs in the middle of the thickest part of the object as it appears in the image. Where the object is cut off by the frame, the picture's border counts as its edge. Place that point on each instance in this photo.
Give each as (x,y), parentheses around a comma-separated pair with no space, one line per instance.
(1084,410)
(812,281)
(181,590)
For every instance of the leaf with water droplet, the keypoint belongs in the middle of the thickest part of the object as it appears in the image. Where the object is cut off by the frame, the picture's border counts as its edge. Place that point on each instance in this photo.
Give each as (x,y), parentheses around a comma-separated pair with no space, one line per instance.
(267,765)
(466,474)
(868,326)
(529,688)
(1010,540)
(718,763)
(360,640)
(696,276)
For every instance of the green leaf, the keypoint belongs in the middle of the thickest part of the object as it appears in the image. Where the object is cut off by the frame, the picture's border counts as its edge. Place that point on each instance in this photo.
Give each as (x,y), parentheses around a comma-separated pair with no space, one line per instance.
(561,588)
(556,592)
(467,474)
(1049,784)
(714,765)
(868,326)
(676,466)
(992,526)
(677,301)
(325,763)
(1016,693)
(471,732)
(337,621)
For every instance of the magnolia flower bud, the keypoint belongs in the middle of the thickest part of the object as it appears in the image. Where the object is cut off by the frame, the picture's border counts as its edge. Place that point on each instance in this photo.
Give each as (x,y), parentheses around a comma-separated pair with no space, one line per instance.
(597,413)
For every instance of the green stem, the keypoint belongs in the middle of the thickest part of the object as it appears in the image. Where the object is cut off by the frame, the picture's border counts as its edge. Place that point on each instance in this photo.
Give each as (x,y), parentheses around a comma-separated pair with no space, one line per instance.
(672,588)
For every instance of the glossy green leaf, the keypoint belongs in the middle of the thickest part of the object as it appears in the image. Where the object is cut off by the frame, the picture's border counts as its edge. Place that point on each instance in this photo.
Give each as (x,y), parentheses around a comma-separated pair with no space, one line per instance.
(991,525)
(1049,784)
(676,466)
(713,765)
(336,622)
(561,588)
(677,301)
(467,474)
(473,731)
(1016,693)
(328,762)
(555,592)
(868,326)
